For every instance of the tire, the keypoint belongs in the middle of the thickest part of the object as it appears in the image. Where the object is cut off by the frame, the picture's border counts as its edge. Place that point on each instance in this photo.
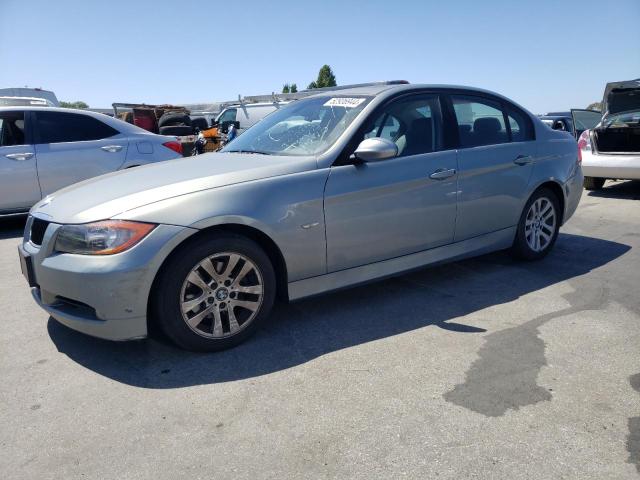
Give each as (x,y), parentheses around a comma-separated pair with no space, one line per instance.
(212,327)
(174,118)
(529,226)
(593,183)
(200,123)
(176,130)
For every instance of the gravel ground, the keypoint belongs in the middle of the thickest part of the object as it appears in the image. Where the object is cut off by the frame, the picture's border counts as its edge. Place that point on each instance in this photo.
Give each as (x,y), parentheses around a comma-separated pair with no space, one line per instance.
(486,368)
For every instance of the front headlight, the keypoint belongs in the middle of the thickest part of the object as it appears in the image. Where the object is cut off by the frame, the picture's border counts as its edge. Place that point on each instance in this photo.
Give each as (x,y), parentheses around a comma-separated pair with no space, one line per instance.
(101,238)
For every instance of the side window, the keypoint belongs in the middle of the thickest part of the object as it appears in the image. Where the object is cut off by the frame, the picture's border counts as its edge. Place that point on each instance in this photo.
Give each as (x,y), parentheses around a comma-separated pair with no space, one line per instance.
(521,126)
(480,121)
(11,129)
(413,123)
(386,126)
(228,116)
(58,127)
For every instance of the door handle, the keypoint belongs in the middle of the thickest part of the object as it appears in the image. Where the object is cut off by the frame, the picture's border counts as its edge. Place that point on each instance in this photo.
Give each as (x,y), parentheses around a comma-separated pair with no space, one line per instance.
(112,148)
(443,173)
(19,156)
(523,160)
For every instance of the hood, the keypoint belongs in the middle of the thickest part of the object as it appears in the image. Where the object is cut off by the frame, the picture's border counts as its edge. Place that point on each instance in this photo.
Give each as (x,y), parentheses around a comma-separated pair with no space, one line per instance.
(621,97)
(103,197)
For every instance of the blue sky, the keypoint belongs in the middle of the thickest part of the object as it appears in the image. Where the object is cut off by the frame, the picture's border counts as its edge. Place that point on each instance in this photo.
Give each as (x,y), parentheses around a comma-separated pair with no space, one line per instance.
(546,55)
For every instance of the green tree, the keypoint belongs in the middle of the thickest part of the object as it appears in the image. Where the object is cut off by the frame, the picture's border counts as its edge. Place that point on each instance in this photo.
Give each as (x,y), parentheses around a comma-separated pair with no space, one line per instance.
(78,104)
(326,78)
(286,88)
(595,106)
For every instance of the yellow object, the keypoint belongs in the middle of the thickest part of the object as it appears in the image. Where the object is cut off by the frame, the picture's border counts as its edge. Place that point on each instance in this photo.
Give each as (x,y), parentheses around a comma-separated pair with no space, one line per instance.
(210,132)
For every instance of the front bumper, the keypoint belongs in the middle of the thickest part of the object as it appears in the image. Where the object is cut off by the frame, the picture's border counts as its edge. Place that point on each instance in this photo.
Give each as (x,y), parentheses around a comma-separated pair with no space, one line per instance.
(81,319)
(103,296)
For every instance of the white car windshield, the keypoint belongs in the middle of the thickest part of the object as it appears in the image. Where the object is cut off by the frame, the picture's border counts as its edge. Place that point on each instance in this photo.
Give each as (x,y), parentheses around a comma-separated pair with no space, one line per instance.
(305,127)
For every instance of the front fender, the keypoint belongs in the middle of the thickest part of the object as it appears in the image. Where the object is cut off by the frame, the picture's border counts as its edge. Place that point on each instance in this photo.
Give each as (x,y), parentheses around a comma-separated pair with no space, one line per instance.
(288,209)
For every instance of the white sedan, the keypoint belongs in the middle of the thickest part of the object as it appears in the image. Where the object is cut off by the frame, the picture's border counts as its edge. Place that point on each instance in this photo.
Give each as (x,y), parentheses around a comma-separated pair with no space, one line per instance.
(610,144)
(44,149)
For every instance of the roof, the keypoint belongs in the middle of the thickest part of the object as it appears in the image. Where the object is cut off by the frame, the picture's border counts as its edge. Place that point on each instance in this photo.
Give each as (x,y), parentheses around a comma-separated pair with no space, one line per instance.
(118,124)
(37,108)
(377,89)
(30,92)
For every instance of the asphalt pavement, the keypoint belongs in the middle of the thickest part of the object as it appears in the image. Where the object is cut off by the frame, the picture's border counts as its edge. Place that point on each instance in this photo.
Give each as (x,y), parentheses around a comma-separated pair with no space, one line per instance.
(487,368)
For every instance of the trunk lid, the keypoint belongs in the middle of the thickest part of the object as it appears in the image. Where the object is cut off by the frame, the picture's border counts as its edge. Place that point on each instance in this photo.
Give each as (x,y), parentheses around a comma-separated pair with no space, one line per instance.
(618,131)
(621,97)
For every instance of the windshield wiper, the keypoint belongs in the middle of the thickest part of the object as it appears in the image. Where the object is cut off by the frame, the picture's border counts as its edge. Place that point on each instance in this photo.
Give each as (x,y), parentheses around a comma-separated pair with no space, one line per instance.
(248,151)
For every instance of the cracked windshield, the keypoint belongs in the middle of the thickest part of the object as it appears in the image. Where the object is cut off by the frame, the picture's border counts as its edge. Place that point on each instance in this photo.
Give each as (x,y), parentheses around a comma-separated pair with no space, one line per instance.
(306,127)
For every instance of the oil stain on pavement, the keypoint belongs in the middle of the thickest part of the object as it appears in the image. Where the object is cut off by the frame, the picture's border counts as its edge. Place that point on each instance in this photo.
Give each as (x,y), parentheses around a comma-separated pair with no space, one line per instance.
(505,374)
(633,439)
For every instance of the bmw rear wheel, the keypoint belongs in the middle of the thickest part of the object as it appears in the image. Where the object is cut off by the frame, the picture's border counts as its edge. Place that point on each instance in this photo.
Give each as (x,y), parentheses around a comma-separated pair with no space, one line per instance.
(538,227)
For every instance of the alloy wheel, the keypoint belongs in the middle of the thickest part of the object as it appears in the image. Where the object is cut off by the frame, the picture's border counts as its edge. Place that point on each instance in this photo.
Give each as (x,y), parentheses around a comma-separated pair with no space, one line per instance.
(540,224)
(221,295)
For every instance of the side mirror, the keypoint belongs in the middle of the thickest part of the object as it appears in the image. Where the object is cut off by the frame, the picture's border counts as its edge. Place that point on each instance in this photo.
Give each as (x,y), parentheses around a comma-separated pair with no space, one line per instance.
(376,149)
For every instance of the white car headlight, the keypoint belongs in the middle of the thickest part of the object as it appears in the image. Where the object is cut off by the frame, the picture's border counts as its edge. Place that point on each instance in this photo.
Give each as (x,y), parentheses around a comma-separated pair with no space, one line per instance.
(101,238)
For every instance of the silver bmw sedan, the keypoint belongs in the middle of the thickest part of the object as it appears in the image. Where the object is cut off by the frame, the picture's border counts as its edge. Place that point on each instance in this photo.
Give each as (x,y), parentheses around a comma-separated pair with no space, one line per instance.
(338,189)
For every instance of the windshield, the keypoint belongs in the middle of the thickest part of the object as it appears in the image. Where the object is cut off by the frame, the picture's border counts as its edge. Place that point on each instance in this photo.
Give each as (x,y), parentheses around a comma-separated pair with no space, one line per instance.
(305,127)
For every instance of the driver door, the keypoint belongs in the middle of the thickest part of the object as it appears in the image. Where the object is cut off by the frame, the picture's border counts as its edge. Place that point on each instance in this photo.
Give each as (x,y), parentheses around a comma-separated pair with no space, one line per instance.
(381,210)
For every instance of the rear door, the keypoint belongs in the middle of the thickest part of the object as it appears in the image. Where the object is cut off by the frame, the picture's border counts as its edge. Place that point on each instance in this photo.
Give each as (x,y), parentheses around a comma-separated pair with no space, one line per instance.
(71,147)
(19,188)
(496,153)
(585,120)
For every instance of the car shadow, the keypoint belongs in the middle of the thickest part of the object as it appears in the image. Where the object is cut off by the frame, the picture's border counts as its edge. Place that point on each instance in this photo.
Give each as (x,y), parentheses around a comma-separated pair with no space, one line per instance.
(299,332)
(627,190)
(12,227)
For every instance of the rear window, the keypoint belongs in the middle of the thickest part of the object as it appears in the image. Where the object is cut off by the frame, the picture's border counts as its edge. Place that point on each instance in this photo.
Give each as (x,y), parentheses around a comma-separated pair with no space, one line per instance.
(22,102)
(520,124)
(58,127)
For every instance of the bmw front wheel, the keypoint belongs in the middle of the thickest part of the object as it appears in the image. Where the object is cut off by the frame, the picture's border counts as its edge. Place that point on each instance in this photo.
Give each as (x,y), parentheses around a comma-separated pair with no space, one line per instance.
(215,293)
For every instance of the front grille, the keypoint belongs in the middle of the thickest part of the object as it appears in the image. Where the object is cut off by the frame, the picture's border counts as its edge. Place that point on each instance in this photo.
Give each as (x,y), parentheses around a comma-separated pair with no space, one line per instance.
(38,227)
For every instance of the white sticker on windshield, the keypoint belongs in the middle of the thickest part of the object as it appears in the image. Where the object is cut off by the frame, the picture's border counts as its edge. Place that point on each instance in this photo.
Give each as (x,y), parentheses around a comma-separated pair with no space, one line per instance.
(344,102)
